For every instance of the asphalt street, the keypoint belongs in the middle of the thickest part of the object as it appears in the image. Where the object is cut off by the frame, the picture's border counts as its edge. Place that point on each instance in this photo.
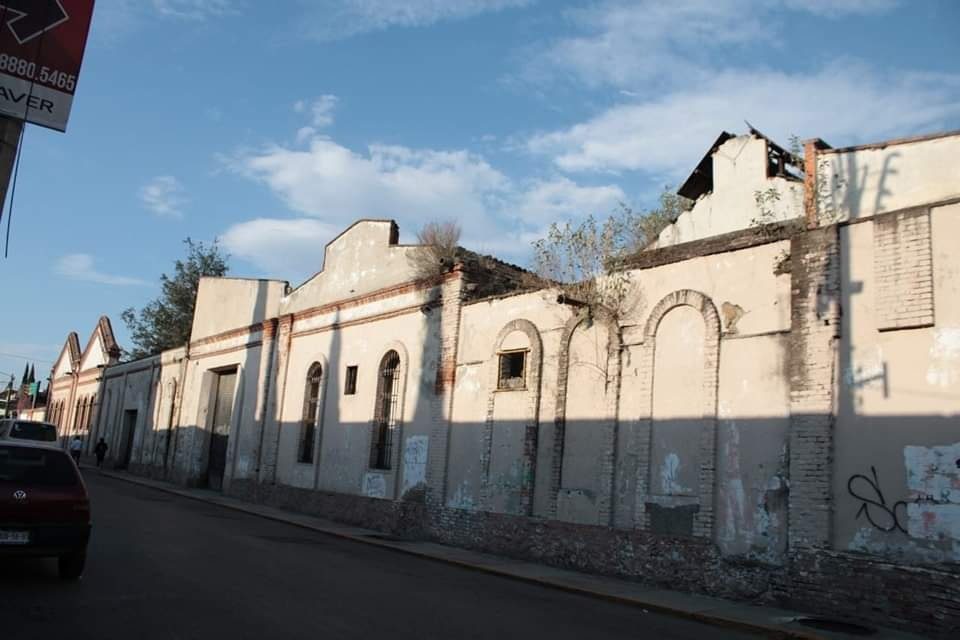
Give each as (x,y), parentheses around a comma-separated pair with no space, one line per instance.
(162,566)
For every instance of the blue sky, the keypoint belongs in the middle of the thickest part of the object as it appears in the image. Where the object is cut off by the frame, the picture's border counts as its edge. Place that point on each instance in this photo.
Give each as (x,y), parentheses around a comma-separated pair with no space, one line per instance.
(274,125)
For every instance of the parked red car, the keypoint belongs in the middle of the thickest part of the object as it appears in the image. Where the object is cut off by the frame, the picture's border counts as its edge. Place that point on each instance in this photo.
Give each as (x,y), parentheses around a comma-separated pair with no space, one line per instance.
(44,506)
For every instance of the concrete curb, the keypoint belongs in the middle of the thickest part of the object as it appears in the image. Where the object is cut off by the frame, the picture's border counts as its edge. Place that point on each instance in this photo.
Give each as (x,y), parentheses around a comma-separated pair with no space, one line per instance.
(770,631)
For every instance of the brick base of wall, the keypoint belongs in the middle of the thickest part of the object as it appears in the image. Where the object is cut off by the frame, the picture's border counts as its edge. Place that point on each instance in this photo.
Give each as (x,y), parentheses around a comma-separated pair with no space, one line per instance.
(848,586)
(921,599)
(688,564)
(402,519)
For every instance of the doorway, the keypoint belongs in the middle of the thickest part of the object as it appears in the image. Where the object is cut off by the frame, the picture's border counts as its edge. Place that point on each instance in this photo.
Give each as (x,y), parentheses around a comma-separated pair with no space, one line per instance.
(129,431)
(220,428)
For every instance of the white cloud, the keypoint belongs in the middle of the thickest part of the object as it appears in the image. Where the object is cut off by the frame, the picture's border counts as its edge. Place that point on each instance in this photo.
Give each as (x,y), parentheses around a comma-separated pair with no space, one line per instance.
(843,103)
(660,45)
(337,185)
(333,182)
(648,42)
(336,19)
(320,112)
(562,198)
(834,8)
(291,248)
(164,196)
(193,9)
(320,109)
(79,266)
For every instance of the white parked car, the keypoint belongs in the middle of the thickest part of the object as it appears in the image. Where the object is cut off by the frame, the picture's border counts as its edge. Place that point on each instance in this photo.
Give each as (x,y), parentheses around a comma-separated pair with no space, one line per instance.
(13,429)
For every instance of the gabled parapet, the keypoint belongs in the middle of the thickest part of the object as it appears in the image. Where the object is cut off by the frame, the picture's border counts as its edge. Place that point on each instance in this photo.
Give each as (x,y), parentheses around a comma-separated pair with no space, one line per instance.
(742,181)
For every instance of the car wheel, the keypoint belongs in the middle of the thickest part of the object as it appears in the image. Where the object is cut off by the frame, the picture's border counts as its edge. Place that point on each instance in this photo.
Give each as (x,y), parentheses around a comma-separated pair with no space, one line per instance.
(71,565)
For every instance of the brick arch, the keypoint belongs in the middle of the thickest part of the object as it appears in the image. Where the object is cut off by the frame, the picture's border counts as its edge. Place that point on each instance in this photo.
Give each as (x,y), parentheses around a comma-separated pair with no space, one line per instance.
(704,520)
(608,464)
(690,298)
(534,370)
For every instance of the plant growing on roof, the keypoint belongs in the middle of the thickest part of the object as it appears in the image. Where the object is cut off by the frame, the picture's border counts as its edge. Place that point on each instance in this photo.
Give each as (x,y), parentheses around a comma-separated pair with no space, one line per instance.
(437,251)
(588,261)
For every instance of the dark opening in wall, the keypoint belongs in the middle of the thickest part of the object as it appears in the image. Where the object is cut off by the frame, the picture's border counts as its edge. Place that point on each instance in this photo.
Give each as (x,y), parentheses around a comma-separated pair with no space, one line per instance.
(351,384)
(513,366)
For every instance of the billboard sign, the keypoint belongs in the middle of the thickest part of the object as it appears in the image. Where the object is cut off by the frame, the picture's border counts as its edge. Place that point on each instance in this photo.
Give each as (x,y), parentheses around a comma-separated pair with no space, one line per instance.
(41,48)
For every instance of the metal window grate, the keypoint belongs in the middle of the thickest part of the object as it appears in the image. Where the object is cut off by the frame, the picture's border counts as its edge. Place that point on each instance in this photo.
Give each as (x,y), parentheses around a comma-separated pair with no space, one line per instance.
(311,408)
(385,413)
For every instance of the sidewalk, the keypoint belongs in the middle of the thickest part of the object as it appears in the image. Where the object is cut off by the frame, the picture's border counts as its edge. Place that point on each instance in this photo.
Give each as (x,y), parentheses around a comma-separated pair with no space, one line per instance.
(762,620)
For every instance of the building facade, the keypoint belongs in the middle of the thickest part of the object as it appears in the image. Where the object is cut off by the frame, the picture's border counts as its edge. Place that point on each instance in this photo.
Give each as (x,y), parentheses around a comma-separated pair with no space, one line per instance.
(73,394)
(773,416)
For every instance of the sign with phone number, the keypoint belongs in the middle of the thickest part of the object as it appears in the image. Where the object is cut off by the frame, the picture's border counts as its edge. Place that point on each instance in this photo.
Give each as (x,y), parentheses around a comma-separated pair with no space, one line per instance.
(41,50)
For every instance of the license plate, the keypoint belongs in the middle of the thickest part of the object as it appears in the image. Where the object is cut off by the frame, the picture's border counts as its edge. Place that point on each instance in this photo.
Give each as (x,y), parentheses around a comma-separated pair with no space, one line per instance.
(14,537)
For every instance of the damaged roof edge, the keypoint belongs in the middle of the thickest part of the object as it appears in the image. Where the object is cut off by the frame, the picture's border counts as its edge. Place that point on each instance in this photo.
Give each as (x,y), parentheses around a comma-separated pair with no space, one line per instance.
(701,180)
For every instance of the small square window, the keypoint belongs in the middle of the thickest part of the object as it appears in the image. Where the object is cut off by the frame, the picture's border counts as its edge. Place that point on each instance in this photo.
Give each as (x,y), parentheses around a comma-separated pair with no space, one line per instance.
(351,386)
(513,366)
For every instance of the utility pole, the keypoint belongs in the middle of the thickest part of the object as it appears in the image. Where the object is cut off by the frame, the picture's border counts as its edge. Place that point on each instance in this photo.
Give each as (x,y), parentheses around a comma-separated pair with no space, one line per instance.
(10,131)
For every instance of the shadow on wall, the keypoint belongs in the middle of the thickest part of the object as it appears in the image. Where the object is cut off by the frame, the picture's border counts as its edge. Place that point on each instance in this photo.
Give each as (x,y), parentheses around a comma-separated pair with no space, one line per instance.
(895,497)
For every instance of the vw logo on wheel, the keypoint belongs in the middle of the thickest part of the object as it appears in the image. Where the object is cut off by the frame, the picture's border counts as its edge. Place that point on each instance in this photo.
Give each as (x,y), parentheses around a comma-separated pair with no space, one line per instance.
(20,494)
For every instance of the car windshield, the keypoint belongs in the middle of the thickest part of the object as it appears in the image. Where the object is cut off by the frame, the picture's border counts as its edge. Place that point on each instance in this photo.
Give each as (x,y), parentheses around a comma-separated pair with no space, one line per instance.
(37,467)
(34,431)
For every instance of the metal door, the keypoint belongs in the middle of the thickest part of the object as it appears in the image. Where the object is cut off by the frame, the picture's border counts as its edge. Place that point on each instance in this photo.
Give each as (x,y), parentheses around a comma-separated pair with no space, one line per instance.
(220,429)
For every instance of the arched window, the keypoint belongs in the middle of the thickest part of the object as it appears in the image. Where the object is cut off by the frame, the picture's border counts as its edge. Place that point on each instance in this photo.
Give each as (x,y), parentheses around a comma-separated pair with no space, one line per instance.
(385,416)
(311,414)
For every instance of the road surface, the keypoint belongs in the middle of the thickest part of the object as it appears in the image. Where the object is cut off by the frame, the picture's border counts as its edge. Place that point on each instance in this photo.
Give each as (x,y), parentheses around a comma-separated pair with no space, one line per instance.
(162,566)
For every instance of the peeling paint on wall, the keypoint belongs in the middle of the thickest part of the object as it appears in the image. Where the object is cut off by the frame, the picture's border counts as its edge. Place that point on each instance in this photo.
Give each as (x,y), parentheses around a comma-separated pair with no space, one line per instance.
(374,485)
(866,368)
(670,476)
(933,477)
(414,462)
(462,498)
(944,368)
(934,472)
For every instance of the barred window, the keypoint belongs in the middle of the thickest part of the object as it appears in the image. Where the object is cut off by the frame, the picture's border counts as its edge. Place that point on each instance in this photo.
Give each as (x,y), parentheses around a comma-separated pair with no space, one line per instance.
(385,418)
(311,414)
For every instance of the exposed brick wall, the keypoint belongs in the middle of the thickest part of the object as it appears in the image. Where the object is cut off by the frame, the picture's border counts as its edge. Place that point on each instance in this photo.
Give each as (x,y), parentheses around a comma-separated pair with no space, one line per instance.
(857,586)
(903,270)
(815,326)
(673,562)
(396,517)
(441,404)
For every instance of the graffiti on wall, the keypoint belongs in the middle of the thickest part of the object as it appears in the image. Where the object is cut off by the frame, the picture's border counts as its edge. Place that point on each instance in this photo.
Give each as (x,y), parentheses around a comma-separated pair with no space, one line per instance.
(873,504)
(931,511)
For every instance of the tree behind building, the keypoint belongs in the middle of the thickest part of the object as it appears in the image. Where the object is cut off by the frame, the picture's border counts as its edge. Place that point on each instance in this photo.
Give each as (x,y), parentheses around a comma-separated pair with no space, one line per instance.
(166,322)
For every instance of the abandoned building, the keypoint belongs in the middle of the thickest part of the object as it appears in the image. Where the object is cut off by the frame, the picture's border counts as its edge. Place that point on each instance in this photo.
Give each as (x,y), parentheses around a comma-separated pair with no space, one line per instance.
(774,417)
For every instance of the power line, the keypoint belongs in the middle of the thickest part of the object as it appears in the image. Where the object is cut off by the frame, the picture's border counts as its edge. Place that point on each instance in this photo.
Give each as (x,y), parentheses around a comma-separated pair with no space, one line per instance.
(30,358)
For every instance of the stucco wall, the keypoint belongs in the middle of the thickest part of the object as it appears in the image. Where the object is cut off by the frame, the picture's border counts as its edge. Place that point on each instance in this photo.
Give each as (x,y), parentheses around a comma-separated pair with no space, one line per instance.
(863,181)
(898,430)
(233,303)
(362,259)
(343,437)
(739,173)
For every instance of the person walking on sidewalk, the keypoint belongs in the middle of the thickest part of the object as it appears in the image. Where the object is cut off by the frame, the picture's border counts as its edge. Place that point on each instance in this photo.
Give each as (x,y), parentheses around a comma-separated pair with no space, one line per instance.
(101,451)
(76,446)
